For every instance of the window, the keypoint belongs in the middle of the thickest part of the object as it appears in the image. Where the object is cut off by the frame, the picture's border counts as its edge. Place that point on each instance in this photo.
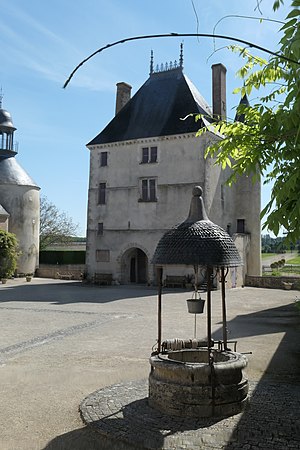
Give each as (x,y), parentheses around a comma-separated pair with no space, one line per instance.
(100,229)
(103,159)
(148,190)
(153,154)
(149,155)
(240,226)
(102,193)
(145,155)
(102,255)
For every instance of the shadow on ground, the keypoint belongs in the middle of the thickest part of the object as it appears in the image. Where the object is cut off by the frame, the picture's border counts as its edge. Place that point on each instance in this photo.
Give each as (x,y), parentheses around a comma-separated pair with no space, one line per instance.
(273,412)
(81,439)
(270,421)
(71,292)
(285,319)
(134,421)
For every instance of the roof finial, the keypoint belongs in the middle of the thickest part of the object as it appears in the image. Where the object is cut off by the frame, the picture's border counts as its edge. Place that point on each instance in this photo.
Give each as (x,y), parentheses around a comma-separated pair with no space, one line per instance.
(181,56)
(151,62)
(1,97)
(197,208)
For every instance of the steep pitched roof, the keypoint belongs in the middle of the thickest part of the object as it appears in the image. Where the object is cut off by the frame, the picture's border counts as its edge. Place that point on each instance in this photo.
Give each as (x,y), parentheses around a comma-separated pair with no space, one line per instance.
(157,109)
(241,117)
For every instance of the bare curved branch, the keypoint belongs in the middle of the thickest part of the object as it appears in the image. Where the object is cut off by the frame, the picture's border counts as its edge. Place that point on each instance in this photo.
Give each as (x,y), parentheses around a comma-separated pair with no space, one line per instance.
(168,35)
(244,17)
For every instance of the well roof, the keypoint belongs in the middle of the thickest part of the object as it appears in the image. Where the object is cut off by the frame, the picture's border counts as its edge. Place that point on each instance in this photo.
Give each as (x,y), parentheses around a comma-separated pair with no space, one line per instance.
(197,241)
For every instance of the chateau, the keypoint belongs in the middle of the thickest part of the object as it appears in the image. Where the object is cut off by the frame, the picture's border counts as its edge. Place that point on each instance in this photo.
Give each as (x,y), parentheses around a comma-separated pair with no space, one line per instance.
(143,167)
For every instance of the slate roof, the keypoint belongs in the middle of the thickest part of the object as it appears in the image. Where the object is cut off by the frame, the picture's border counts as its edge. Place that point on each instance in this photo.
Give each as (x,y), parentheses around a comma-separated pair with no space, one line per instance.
(157,109)
(241,117)
(12,173)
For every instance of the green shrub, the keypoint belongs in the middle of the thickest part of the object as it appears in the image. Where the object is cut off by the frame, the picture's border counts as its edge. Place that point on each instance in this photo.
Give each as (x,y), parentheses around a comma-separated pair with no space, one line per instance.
(62,257)
(275,273)
(8,254)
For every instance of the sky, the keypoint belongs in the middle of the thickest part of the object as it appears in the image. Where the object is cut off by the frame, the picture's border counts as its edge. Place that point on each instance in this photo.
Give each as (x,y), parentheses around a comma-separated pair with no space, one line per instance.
(43,41)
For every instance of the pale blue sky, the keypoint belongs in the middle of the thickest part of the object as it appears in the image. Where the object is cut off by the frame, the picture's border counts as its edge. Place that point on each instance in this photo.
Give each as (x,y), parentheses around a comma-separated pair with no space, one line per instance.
(42,41)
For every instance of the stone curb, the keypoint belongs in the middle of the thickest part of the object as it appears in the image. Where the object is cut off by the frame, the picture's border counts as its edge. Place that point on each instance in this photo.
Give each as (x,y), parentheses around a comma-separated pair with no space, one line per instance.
(123,420)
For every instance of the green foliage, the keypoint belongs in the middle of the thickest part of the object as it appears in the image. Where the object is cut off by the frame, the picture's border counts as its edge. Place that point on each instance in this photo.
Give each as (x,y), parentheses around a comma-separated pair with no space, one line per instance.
(268,141)
(275,245)
(8,254)
(275,273)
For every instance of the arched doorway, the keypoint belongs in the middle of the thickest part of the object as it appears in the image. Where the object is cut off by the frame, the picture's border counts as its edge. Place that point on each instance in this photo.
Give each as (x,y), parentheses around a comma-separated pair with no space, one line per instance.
(134,266)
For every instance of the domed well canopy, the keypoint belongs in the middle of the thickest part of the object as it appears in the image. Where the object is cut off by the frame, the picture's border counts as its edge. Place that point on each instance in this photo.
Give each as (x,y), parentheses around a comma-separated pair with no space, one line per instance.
(197,241)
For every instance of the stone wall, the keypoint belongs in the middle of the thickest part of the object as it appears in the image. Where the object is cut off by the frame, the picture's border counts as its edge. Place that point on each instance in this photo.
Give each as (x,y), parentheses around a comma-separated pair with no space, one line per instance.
(67,271)
(273,282)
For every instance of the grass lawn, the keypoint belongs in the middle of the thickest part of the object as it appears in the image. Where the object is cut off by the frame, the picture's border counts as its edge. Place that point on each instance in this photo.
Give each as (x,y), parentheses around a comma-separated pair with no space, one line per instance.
(267,255)
(293,260)
(289,271)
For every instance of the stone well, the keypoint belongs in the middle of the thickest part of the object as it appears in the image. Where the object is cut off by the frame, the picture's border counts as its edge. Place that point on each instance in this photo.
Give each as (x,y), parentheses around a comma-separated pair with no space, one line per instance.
(185,383)
(189,378)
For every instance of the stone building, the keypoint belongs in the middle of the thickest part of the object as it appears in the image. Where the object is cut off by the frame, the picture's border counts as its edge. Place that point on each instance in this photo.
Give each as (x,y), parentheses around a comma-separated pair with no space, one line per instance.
(19,198)
(143,167)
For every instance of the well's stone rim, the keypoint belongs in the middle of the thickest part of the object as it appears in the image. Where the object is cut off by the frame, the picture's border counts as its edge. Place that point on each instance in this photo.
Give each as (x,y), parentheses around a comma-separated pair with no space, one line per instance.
(236,361)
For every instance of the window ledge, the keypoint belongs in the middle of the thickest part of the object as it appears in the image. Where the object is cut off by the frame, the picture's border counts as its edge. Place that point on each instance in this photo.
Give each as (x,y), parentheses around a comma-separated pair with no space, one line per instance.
(140,200)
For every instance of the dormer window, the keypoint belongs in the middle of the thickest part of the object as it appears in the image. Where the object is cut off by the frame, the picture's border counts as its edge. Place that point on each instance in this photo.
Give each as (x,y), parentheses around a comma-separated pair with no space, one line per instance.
(149,155)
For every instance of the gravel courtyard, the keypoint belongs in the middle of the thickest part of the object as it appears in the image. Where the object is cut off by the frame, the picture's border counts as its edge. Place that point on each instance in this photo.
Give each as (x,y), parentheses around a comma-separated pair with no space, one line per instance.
(61,340)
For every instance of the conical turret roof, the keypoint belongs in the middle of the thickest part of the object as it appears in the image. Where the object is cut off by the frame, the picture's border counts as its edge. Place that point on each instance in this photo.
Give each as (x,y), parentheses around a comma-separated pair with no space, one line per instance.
(12,173)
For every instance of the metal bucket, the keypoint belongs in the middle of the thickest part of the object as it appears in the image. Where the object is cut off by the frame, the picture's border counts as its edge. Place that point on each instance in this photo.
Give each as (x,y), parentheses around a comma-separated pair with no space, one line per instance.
(195,305)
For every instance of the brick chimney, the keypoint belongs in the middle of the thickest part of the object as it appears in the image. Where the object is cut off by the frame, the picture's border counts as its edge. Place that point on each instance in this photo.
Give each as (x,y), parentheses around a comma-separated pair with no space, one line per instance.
(219,90)
(123,95)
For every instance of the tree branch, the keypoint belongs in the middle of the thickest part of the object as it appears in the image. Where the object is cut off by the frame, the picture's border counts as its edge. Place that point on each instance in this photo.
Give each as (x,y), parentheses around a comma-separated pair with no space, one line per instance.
(168,35)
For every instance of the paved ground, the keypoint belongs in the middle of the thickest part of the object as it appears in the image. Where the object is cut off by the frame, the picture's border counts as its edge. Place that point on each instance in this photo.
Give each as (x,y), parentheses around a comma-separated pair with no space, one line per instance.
(61,341)
(123,420)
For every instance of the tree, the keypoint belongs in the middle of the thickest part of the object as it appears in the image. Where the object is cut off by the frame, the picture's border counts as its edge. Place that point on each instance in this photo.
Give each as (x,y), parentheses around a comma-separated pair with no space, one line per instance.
(267,141)
(8,254)
(55,226)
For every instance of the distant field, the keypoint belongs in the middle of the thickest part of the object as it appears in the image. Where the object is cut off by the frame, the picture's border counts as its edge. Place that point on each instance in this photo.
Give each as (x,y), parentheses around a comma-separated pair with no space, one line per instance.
(293,260)
(267,255)
(291,267)
(291,270)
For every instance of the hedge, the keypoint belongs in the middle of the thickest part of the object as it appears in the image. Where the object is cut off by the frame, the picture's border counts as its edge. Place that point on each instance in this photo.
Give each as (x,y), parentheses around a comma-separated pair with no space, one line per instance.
(62,257)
